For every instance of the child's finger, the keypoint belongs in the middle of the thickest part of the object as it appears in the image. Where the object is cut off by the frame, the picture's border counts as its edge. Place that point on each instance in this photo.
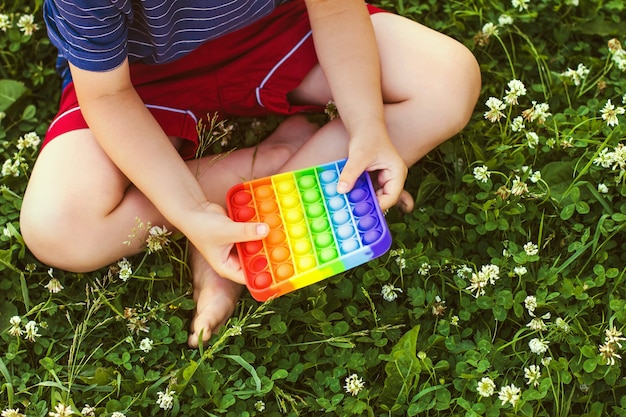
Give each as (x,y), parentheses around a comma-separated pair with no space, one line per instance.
(349,175)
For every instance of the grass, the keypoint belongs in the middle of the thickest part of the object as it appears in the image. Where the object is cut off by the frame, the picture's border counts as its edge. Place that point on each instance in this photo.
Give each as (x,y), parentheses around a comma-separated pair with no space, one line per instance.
(509,275)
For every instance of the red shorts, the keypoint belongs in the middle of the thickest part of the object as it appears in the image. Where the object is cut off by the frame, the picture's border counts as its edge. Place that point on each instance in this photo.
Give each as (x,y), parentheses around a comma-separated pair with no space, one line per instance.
(245,73)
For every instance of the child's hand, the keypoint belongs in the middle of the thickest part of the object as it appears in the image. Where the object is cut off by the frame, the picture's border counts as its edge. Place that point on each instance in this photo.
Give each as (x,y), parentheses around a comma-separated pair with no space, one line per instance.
(215,235)
(375,154)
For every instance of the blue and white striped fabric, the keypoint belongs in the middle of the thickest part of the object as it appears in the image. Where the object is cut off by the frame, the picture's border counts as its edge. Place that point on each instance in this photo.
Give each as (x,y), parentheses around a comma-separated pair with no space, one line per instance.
(97,35)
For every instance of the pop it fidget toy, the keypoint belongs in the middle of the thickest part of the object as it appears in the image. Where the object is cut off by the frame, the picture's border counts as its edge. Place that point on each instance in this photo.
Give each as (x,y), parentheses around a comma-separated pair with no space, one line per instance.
(315,232)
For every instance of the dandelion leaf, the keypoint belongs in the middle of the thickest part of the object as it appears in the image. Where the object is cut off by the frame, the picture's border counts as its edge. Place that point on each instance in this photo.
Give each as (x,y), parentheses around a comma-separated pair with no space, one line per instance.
(402,369)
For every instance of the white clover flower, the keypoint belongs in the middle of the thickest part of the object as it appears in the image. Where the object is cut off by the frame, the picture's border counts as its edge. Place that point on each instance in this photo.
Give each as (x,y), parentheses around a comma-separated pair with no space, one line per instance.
(608,352)
(61,410)
(530,302)
(26,24)
(486,387)
(495,106)
(519,187)
(454,320)
(126,269)
(389,292)
(488,274)
(538,346)
(146,344)
(118,414)
(532,375)
(482,173)
(354,385)
(11,412)
(157,238)
(424,269)
(30,140)
(31,329)
(5,22)
(602,188)
(517,125)
(535,177)
(537,324)
(505,20)
(520,5)
(463,271)
(546,361)
(531,249)
(612,335)
(489,29)
(618,53)
(577,76)
(12,167)
(520,270)
(538,112)
(516,90)
(610,113)
(166,399)
(401,262)
(615,159)
(532,139)
(54,286)
(259,406)
(509,394)
(88,411)
(562,325)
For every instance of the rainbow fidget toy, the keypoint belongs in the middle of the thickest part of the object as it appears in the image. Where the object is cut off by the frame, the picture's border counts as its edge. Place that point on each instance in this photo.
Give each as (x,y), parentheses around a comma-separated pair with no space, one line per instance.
(314,233)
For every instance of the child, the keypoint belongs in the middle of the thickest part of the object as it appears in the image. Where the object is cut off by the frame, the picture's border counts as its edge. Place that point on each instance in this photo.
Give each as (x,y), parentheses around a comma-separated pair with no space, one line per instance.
(137,75)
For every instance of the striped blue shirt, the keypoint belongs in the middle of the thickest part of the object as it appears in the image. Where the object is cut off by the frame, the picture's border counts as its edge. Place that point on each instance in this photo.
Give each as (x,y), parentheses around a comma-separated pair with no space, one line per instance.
(97,35)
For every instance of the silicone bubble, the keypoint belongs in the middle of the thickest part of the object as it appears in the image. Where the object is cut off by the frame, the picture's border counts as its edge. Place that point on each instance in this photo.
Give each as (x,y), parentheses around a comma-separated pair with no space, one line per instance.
(345,231)
(253,247)
(319,225)
(241,198)
(357,194)
(297,231)
(328,254)
(366,223)
(336,203)
(363,208)
(284,271)
(302,247)
(349,245)
(330,190)
(323,240)
(258,264)
(315,210)
(311,196)
(307,181)
(273,220)
(263,192)
(305,263)
(294,216)
(279,254)
(245,214)
(329,176)
(268,207)
(285,187)
(275,237)
(341,217)
(263,280)
(371,236)
(289,201)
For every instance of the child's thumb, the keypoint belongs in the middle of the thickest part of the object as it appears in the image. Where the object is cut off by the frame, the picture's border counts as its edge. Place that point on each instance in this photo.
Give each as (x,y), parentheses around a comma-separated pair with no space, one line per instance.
(247,231)
(349,175)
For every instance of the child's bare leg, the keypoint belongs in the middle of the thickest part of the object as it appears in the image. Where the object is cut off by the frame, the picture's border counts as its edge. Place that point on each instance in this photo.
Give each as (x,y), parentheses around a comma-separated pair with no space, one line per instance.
(430,86)
(79,208)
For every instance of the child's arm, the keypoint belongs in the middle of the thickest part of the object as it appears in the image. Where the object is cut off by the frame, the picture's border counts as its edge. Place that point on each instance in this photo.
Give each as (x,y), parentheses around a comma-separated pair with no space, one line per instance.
(347,51)
(135,142)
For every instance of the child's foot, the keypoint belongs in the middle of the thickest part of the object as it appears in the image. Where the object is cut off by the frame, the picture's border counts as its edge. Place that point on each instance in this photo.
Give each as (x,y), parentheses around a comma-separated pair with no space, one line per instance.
(215,297)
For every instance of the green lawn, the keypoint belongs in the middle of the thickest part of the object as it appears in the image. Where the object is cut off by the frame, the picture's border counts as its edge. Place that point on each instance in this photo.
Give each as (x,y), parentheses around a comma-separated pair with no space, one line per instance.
(503,293)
